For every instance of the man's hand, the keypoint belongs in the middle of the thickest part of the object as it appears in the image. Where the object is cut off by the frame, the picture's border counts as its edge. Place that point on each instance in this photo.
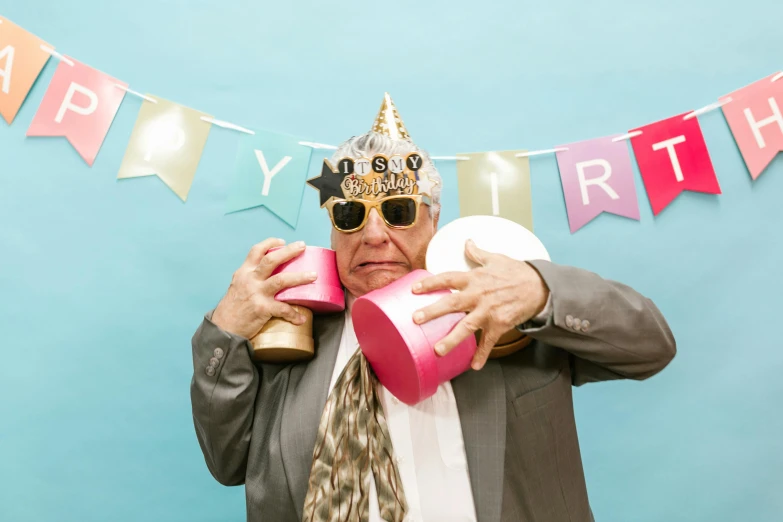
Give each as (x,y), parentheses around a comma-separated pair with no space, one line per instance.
(497,295)
(250,301)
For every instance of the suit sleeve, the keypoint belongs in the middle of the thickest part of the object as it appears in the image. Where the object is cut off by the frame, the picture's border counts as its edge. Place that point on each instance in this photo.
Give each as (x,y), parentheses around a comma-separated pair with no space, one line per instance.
(611,331)
(222,394)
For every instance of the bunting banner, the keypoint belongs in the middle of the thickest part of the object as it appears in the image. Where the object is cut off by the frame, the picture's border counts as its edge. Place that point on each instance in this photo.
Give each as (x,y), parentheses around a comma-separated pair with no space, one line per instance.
(597,177)
(673,157)
(270,170)
(753,114)
(497,184)
(22,59)
(80,105)
(167,141)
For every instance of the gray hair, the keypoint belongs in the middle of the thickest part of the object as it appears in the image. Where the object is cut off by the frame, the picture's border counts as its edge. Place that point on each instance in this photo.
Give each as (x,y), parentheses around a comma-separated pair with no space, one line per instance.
(366,145)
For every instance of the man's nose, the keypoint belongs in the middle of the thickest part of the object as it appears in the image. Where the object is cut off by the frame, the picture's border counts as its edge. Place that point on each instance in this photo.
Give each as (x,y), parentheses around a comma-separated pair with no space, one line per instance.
(375,232)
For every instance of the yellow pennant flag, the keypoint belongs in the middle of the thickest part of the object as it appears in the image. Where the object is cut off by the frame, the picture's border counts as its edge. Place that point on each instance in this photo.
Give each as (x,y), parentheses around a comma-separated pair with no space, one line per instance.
(495,184)
(167,141)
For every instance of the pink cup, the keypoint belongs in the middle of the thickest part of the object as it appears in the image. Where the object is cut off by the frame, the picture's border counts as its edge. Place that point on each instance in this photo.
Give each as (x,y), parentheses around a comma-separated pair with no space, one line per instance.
(401,352)
(325,294)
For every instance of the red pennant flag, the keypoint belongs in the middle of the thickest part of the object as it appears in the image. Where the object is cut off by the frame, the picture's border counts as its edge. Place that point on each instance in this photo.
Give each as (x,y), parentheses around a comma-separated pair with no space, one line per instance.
(672,158)
(754,116)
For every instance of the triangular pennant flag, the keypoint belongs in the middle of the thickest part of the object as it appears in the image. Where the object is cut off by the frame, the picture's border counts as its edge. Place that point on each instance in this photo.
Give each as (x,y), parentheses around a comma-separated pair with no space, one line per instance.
(755,116)
(22,58)
(597,177)
(495,184)
(167,141)
(673,157)
(80,105)
(270,171)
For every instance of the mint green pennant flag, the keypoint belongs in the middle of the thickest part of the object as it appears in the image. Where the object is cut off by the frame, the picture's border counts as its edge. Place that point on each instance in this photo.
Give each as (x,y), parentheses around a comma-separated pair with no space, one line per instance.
(270,170)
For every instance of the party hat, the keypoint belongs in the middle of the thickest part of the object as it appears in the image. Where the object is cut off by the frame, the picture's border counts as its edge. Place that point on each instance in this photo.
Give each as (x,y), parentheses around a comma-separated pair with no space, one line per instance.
(388,121)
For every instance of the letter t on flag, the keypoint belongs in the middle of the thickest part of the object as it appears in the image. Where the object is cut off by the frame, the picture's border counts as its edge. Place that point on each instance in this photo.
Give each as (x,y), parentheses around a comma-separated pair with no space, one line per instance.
(270,171)
(80,105)
(597,177)
(673,157)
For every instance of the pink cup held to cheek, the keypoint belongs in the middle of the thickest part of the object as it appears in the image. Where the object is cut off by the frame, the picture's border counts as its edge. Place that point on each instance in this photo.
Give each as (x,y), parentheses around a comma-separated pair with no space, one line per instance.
(400,352)
(325,294)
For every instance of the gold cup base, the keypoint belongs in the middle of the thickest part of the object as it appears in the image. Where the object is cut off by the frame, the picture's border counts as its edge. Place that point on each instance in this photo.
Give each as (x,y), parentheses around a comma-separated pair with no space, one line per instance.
(282,342)
(510,342)
(502,350)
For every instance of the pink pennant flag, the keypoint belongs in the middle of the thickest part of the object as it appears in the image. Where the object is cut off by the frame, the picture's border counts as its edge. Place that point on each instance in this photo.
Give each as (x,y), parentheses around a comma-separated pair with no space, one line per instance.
(754,116)
(597,177)
(673,157)
(80,105)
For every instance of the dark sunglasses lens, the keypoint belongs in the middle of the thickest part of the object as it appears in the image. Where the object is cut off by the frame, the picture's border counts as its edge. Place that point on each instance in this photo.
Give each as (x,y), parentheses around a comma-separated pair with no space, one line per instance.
(399,212)
(348,215)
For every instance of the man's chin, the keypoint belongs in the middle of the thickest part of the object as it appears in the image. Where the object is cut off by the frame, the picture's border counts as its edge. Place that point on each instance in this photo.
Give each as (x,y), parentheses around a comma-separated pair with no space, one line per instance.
(382,277)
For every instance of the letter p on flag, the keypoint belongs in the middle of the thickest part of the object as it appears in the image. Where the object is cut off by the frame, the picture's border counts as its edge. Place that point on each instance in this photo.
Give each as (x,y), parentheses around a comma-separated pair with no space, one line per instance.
(80,105)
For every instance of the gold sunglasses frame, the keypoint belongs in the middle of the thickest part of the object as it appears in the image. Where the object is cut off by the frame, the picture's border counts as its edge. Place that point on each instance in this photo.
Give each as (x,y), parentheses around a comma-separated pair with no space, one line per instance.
(375,204)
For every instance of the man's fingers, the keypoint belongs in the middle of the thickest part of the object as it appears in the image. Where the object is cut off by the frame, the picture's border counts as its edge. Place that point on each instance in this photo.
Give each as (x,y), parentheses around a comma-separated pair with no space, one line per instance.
(444,281)
(272,260)
(259,250)
(466,327)
(475,254)
(283,280)
(287,312)
(455,302)
(488,341)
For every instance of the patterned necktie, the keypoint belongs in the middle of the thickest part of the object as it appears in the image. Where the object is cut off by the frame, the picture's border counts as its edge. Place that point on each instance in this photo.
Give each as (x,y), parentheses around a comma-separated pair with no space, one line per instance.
(352,447)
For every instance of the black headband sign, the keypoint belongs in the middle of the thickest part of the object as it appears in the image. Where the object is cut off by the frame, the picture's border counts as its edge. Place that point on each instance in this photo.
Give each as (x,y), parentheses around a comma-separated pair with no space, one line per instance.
(379,164)
(363,176)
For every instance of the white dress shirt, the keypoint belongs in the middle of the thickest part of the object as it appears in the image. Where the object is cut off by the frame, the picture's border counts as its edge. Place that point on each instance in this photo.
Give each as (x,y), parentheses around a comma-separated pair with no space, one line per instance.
(428,445)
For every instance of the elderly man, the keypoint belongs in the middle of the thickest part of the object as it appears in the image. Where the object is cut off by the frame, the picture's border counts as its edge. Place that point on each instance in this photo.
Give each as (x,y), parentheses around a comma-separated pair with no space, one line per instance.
(497,443)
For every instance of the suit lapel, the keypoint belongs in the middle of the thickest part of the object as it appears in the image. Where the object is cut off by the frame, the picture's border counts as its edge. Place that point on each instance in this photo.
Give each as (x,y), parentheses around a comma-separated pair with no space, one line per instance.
(481,402)
(308,388)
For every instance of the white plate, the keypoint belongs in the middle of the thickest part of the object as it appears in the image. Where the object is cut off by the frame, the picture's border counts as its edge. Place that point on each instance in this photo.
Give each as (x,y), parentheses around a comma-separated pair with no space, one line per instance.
(446,251)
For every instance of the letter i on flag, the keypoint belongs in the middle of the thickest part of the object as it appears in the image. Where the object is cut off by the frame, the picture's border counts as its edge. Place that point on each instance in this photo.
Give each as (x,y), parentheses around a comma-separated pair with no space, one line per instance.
(270,170)
(21,61)
(597,177)
(80,105)
(755,118)
(167,141)
(673,157)
(495,184)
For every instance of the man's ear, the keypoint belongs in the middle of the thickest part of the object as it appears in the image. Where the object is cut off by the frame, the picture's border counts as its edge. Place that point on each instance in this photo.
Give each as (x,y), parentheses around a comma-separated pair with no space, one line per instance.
(435,216)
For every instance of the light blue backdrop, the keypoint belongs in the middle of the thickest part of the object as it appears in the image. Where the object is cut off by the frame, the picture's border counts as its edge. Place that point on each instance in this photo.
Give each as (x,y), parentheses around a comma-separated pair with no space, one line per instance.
(103,282)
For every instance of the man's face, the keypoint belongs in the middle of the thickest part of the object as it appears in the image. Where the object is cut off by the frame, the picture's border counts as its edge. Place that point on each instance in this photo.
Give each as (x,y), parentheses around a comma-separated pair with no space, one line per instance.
(377,255)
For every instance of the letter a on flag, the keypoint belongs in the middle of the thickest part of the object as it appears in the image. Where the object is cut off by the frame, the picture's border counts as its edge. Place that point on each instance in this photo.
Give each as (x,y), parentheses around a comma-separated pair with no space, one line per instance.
(21,61)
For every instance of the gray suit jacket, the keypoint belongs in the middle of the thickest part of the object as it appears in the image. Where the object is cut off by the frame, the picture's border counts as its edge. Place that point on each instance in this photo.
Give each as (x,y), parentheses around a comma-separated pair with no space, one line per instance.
(257,424)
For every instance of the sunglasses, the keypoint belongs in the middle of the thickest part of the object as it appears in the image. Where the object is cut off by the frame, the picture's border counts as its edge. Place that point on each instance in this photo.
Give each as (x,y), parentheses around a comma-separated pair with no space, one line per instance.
(350,215)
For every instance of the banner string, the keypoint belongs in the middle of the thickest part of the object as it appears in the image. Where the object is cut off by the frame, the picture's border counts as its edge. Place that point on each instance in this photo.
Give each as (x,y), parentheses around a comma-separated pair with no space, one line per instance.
(537,152)
(57,55)
(314,145)
(131,91)
(707,108)
(227,125)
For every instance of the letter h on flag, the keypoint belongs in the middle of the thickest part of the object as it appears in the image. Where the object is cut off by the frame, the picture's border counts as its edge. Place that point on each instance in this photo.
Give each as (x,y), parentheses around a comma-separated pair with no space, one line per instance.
(80,105)
(754,116)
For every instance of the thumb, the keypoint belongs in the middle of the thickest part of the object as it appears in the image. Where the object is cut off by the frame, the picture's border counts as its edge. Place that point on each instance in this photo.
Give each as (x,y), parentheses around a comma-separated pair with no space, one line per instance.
(475,254)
